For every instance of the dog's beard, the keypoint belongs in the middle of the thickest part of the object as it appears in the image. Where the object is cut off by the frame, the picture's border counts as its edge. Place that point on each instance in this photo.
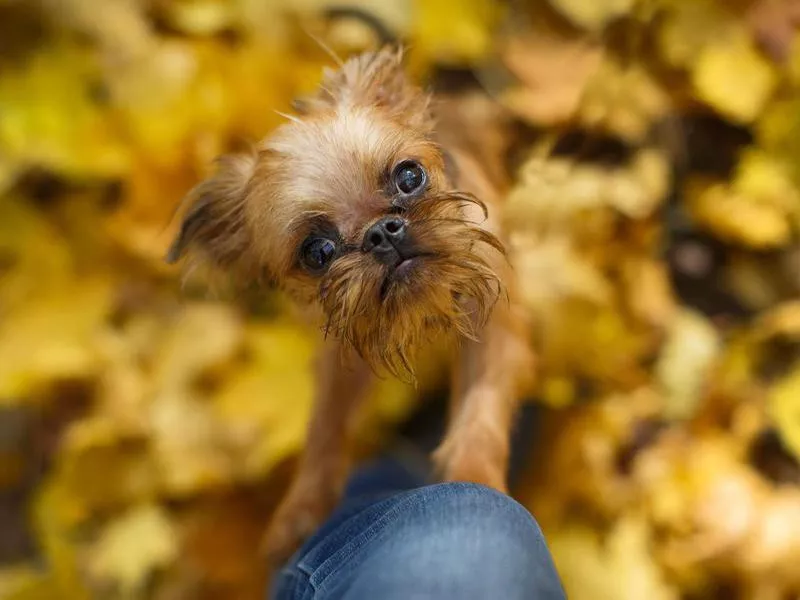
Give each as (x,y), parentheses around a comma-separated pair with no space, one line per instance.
(386,315)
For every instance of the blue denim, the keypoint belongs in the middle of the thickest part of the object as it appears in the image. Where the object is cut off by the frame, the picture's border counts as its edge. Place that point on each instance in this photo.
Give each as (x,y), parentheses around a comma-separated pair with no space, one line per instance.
(392,540)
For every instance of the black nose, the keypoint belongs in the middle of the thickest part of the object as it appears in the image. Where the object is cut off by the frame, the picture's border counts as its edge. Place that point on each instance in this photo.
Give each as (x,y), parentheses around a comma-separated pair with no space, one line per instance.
(385,237)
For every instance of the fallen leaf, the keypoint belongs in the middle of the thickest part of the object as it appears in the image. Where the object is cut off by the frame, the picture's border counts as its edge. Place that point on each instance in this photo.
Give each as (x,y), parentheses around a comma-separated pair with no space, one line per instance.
(624,100)
(464,36)
(553,74)
(619,566)
(738,218)
(781,320)
(52,337)
(25,583)
(719,72)
(203,338)
(266,405)
(552,270)
(102,464)
(683,30)
(133,548)
(686,360)
(784,407)
(593,15)
(36,257)
(49,119)
(648,290)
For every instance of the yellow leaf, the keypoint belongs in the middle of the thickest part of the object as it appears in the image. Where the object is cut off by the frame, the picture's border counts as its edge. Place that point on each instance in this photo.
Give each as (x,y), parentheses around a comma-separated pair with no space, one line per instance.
(593,15)
(625,100)
(767,179)
(126,387)
(52,337)
(553,73)
(734,217)
(132,548)
(23,582)
(121,29)
(551,270)
(392,400)
(683,32)
(190,448)
(200,17)
(558,392)
(777,129)
(551,192)
(734,78)
(637,191)
(686,359)
(590,341)
(784,408)
(619,567)
(265,406)
(456,37)
(50,120)
(7,173)
(648,291)
(36,257)
(102,463)
(781,320)
(205,337)
(55,534)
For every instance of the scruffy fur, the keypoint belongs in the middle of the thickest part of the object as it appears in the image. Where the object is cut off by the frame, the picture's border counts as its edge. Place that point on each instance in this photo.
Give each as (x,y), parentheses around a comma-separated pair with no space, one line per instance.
(331,165)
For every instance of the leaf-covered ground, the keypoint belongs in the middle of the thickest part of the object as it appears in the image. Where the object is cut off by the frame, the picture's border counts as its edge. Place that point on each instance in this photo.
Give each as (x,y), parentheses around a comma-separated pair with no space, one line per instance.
(147,425)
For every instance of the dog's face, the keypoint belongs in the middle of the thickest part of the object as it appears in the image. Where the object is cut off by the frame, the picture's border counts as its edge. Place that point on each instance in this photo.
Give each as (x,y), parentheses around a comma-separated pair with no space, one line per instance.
(350,208)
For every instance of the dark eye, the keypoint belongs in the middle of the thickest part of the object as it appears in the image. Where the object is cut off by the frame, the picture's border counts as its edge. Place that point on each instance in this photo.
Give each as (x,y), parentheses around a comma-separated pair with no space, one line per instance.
(318,253)
(409,177)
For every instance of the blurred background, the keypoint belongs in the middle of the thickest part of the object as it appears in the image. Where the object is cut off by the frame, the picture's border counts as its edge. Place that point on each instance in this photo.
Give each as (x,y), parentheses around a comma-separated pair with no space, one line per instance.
(148,422)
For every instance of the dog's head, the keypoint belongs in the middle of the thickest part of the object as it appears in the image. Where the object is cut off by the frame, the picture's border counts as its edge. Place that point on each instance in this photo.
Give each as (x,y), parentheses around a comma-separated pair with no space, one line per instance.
(349,207)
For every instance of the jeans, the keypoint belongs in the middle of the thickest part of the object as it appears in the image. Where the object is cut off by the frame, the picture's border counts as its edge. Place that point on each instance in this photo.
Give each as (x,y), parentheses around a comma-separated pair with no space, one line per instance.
(394,540)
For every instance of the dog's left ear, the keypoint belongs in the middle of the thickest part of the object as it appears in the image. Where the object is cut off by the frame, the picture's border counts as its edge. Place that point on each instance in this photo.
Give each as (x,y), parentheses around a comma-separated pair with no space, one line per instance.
(213,226)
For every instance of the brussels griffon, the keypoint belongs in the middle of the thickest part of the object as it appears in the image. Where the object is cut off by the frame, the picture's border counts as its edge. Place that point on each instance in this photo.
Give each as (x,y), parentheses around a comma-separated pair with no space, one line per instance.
(382,224)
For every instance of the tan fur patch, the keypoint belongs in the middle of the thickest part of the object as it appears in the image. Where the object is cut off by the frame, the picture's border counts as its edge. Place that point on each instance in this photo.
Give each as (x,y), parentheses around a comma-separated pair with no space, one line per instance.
(328,174)
(334,165)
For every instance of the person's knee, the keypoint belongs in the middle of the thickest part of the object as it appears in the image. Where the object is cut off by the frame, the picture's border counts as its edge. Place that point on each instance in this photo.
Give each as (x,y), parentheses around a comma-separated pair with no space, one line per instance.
(486,507)
(467,541)
(484,529)
(469,508)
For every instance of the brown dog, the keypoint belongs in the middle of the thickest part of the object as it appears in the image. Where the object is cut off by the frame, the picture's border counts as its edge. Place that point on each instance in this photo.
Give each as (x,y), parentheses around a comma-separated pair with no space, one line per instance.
(384,226)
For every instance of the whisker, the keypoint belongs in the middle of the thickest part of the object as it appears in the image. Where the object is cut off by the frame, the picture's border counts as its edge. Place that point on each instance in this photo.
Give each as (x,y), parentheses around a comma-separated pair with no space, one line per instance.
(292,118)
(325,48)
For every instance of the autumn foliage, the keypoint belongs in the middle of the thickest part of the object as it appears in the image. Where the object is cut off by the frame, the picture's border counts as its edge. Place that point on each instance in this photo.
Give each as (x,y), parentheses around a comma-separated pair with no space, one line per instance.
(147,420)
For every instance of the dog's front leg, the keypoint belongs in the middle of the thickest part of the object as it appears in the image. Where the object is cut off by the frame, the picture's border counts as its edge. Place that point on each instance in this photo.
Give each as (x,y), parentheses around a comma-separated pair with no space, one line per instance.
(324,463)
(488,380)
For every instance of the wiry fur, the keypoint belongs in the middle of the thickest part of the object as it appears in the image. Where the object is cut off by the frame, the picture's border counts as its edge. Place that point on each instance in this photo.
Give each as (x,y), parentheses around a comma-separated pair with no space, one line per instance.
(452,292)
(332,165)
(375,80)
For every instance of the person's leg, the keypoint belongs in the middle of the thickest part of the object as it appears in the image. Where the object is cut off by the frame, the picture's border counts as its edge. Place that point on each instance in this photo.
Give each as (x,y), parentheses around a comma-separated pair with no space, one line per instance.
(455,540)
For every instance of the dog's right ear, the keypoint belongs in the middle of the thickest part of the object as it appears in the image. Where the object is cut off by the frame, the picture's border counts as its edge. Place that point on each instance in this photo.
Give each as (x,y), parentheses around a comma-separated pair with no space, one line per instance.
(213,226)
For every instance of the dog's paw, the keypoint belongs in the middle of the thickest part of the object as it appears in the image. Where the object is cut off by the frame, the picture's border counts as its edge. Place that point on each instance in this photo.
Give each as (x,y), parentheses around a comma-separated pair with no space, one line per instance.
(461,460)
(296,518)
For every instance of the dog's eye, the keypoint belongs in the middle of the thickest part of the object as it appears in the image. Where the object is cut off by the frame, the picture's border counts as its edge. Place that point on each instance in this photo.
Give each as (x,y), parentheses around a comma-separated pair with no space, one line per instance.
(317,253)
(409,177)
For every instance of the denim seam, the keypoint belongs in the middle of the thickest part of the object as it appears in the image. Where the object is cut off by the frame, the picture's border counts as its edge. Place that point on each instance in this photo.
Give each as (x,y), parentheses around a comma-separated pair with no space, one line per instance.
(305,564)
(324,572)
(288,580)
